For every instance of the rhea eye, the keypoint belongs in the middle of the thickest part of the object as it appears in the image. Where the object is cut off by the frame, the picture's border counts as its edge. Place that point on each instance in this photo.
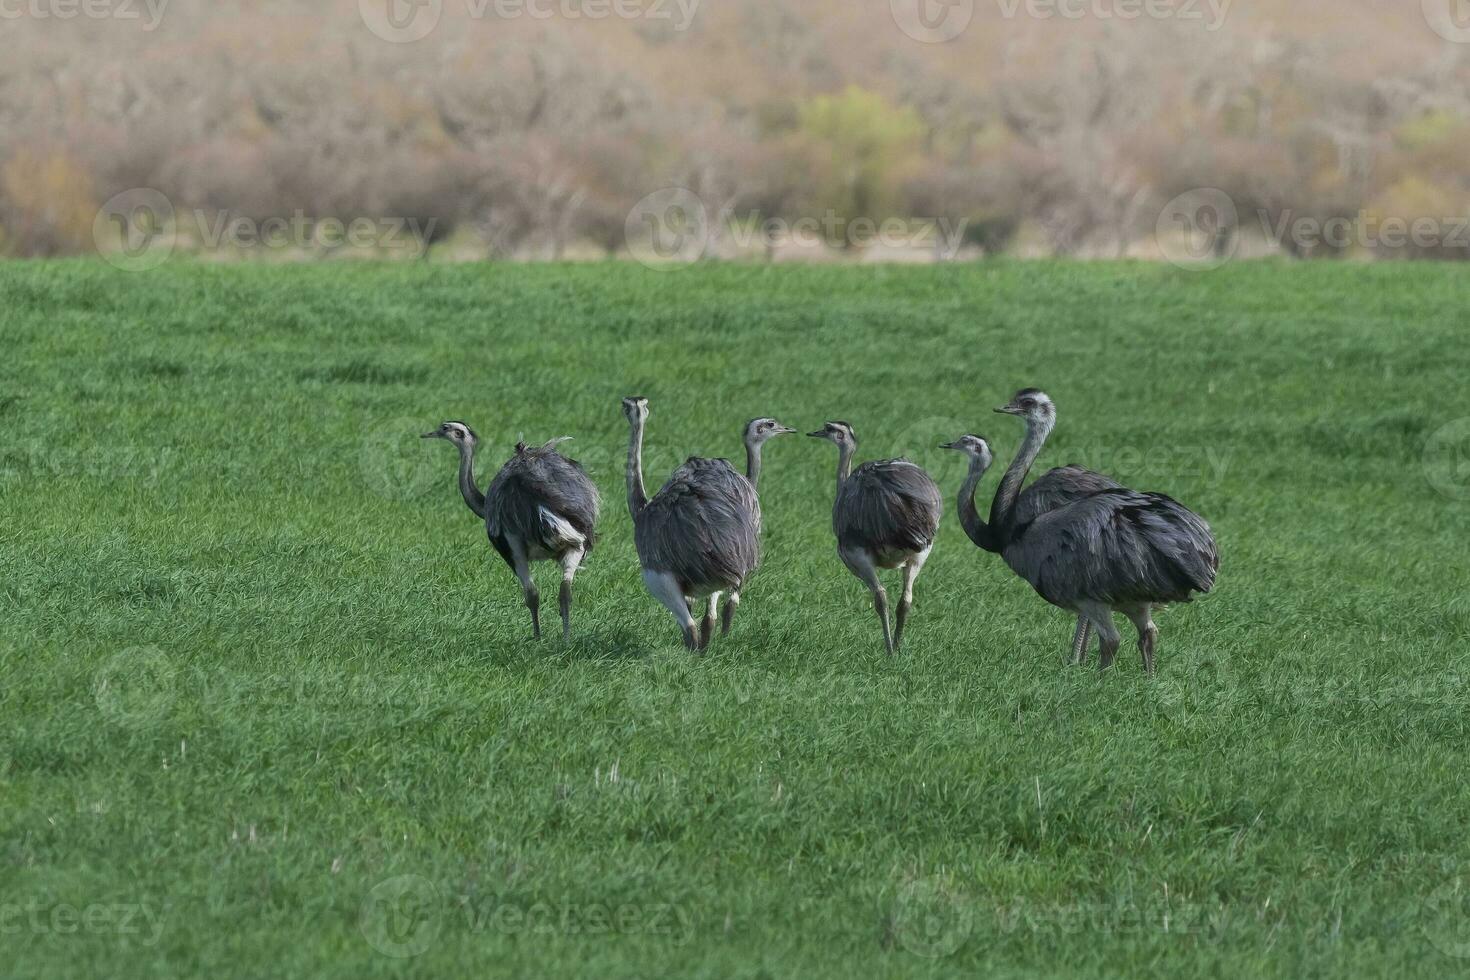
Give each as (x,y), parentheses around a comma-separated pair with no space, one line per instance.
(1028,403)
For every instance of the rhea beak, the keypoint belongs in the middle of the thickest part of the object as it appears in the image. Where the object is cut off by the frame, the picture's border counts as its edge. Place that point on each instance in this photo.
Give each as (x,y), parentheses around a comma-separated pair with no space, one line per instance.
(784,430)
(819,434)
(947,445)
(431,435)
(1008,410)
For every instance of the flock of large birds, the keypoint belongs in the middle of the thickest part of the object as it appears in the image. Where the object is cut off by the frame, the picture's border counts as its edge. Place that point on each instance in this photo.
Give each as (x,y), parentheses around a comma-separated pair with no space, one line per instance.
(1084,542)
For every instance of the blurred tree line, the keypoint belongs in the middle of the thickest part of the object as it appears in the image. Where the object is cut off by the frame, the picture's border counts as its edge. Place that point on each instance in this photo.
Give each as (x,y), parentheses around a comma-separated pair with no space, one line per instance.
(532,138)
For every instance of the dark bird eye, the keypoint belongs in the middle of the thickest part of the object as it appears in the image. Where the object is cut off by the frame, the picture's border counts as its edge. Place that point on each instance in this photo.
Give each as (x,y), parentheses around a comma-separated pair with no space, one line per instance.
(1028,403)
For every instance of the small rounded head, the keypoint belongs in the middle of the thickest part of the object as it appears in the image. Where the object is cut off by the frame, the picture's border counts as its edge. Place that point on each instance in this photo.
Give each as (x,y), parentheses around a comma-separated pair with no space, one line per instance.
(1031,404)
(973,446)
(836,431)
(758,431)
(635,408)
(456,432)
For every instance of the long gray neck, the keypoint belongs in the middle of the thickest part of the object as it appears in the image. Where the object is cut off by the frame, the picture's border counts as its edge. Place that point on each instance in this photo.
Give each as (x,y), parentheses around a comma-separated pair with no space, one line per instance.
(1003,507)
(637,497)
(845,452)
(978,531)
(753,463)
(467,488)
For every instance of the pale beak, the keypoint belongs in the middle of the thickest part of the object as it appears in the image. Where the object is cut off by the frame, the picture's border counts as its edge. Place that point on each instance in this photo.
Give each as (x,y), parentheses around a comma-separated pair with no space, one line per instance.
(1009,410)
(784,430)
(431,435)
(947,445)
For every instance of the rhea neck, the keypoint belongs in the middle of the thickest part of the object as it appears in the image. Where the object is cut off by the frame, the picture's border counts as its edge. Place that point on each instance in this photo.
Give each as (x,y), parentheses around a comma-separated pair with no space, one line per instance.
(845,451)
(467,489)
(1003,507)
(753,462)
(978,531)
(637,496)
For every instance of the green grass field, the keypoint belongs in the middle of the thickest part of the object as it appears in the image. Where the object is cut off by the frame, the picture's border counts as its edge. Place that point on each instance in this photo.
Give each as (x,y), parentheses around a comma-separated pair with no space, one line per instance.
(271,706)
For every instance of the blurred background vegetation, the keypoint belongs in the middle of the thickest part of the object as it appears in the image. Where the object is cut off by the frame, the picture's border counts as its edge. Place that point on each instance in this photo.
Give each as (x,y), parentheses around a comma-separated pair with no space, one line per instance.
(533,138)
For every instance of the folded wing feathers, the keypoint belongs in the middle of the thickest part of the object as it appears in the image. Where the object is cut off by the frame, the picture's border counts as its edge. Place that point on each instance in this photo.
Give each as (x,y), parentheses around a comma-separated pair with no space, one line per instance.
(703,526)
(1117,546)
(888,504)
(537,480)
(1057,488)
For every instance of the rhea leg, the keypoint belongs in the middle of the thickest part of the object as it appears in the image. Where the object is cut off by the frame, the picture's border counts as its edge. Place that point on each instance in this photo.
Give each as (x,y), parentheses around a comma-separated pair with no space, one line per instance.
(1080,640)
(860,563)
(689,603)
(522,566)
(707,627)
(1148,633)
(727,614)
(911,570)
(665,588)
(1108,638)
(570,561)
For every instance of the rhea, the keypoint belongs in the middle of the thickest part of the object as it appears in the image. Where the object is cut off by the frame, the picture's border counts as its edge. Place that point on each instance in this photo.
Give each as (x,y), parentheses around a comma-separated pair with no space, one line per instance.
(1056,488)
(1112,550)
(886,515)
(700,534)
(541,506)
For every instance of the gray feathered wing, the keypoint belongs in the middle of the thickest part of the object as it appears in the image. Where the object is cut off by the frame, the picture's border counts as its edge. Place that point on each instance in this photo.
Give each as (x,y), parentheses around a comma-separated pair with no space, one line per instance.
(1057,488)
(887,505)
(703,526)
(536,495)
(1117,547)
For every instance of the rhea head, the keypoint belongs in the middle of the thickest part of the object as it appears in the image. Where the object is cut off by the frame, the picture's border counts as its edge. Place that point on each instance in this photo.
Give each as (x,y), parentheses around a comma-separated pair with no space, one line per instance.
(456,432)
(635,408)
(1033,405)
(757,431)
(837,431)
(975,447)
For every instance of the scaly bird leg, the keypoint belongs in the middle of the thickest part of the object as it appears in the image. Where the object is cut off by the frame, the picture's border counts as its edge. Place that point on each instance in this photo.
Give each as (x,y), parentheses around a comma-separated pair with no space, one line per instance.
(707,626)
(911,570)
(569,564)
(1080,641)
(522,568)
(665,588)
(1100,615)
(1148,634)
(727,615)
(861,564)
